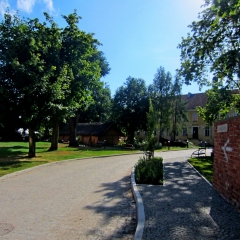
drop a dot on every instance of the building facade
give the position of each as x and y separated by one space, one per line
193 127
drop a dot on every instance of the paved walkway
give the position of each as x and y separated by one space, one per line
186 207
69 200
91 199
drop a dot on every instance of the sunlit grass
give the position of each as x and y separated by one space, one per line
13 155
204 165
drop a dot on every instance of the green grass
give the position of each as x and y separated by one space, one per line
204 165
13 155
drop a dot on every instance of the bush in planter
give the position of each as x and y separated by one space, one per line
149 171
158 145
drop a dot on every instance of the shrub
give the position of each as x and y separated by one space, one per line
158 145
149 171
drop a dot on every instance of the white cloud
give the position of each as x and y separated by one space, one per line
49 4
25 5
3 6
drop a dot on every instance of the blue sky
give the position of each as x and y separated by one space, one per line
137 36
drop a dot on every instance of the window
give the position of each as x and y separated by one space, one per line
195 117
207 131
184 133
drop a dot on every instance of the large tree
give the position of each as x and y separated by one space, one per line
130 104
213 45
212 49
25 75
80 51
47 73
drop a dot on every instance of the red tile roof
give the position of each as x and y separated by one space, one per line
194 100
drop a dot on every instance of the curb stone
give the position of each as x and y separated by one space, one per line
140 208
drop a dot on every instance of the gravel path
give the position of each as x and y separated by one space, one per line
186 207
81 199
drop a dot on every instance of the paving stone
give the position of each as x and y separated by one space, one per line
186 207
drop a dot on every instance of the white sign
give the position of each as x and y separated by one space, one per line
222 128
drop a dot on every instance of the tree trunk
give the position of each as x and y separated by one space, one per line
32 144
131 136
73 121
55 136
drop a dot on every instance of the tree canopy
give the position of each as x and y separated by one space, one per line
213 45
46 72
166 97
130 104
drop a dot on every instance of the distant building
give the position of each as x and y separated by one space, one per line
94 133
194 128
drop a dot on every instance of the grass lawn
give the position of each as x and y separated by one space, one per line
13 155
204 165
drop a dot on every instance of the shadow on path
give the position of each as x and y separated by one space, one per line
117 209
187 207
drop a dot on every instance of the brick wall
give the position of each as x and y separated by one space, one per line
226 177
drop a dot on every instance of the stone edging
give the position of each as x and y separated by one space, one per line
140 208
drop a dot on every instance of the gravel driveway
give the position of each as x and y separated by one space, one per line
80 199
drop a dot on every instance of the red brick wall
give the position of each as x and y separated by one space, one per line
226 177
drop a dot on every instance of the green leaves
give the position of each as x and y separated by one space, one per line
219 102
47 72
130 105
213 45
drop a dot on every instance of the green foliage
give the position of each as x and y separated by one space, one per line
46 73
160 93
178 108
213 45
100 108
158 145
167 102
130 104
219 102
151 126
149 171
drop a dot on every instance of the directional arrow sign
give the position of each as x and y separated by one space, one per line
226 149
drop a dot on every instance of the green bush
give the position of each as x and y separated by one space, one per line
158 145
149 171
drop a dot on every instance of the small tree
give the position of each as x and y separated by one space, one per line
151 125
160 92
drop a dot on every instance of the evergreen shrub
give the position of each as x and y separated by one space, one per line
149 171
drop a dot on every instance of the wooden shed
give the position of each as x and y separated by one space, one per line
94 133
